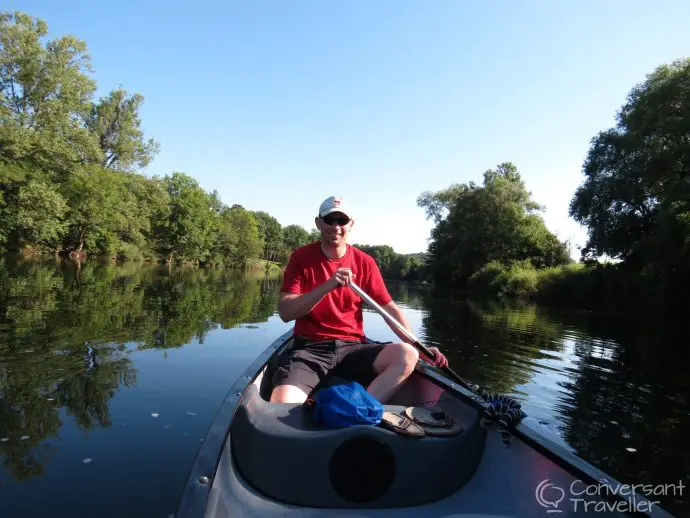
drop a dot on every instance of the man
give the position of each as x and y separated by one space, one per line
328 316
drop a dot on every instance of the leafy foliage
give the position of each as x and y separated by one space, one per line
189 230
40 214
44 97
69 179
295 236
496 221
101 210
404 267
635 200
115 123
239 238
271 234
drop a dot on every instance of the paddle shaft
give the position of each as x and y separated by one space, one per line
366 298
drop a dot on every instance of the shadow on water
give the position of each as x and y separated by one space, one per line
68 332
613 390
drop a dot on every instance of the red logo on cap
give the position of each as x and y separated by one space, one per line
336 203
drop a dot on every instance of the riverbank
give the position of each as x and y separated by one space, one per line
600 286
41 255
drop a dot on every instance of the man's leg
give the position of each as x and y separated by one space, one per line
393 366
288 394
300 371
381 367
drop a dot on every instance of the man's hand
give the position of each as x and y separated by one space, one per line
341 277
439 360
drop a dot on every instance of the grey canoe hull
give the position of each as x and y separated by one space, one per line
263 459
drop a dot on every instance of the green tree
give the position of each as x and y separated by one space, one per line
115 122
496 221
152 203
400 266
417 269
294 236
314 235
44 98
635 200
40 214
101 211
190 230
10 177
271 234
384 255
238 237
44 101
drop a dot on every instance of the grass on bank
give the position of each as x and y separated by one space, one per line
521 279
577 284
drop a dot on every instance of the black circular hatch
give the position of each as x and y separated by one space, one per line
362 469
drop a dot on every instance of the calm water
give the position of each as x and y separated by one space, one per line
110 376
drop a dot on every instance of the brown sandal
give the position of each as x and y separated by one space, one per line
401 424
433 420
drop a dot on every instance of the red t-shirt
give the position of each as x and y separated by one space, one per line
339 314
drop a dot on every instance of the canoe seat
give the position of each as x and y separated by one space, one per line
283 454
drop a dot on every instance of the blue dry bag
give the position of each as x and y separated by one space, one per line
346 405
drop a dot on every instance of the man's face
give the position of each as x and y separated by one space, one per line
334 227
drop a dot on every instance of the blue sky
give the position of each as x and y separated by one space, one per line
278 104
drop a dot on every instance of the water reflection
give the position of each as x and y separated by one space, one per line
67 332
626 403
613 389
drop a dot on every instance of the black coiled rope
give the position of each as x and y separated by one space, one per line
500 408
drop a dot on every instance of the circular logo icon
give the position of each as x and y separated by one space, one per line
549 495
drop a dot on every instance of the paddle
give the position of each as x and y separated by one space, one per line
422 348
498 408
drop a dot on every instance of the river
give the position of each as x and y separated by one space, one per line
111 374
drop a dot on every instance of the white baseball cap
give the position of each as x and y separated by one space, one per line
334 204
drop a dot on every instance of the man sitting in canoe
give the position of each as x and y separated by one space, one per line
328 317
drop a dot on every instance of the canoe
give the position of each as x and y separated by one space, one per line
265 459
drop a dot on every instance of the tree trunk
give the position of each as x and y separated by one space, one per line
79 252
81 241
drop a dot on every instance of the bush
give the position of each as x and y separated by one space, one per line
521 279
518 279
595 286
485 279
129 252
559 281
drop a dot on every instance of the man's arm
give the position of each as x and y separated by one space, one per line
292 305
